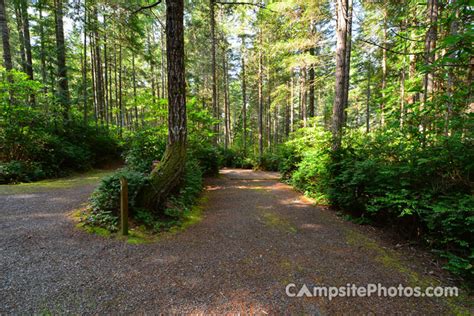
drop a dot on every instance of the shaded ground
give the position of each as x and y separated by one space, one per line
257 236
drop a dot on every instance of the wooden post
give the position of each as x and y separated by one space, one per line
124 206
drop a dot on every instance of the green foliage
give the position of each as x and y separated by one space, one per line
388 178
35 144
106 197
207 157
145 146
16 171
269 161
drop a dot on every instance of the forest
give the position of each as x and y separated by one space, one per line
363 106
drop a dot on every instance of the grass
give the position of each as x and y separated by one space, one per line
391 259
272 219
139 234
87 178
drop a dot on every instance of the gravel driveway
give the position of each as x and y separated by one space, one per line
257 236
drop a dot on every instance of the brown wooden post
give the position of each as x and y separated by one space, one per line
124 206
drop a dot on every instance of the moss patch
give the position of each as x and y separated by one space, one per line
90 177
139 234
272 219
191 217
391 259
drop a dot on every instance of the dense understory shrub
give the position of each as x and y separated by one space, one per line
424 190
207 157
37 142
41 150
106 198
144 147
142 151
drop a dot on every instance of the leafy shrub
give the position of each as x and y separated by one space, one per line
106 197
207 157
19 171
145 146
423 191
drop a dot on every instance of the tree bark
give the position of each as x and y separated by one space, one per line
63 83
292 99
42 40
244 102
260 99
430 46
135 105
367 112
384 70
348 57
27 40
311 87
213 62
226 100
84 66
167 175
7 57
341 47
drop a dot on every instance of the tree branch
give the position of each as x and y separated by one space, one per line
262 6
147 7
388 49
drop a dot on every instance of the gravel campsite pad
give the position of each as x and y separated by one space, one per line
256 236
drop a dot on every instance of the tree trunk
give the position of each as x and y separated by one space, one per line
244 102
213 62
106 75
303 95
292 99
311 87
430 46
287 111
135 105
341 47
26 38
63 84
122 119
453 30
260 99
19 28
167 175
348 58
367 112
7 57
84 65
98 68
42 40
384 70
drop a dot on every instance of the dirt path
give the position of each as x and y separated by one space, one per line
257 236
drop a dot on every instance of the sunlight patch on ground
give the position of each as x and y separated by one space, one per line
88 178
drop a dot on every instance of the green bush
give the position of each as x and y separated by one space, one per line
33 140
19 171
208 158
423 191
106 197
145 146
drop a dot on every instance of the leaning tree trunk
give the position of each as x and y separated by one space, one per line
167 175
